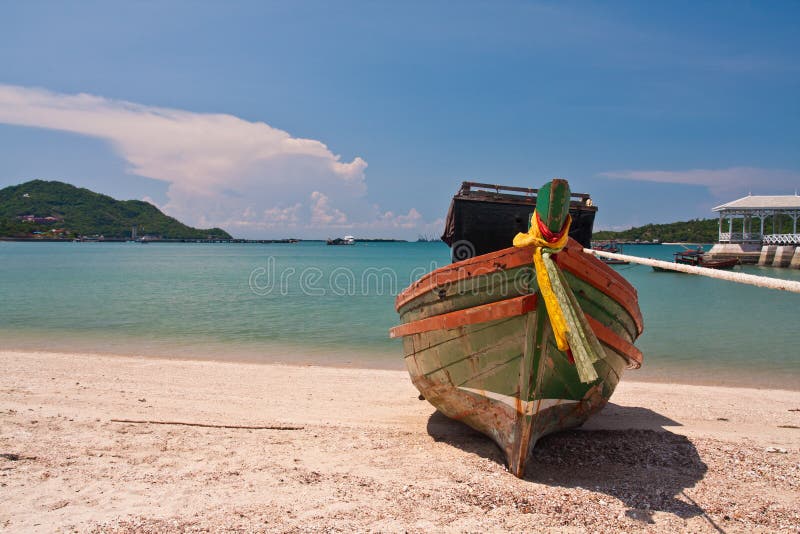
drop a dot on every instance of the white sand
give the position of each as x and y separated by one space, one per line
370 455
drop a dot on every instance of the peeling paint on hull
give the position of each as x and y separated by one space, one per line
486 357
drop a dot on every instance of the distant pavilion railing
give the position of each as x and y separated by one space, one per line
767 239
746 216
781 239
740 237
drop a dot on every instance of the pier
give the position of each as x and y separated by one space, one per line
768 235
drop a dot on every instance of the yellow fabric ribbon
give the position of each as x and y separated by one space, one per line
570 328
534 238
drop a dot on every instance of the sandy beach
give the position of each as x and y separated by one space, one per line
355 450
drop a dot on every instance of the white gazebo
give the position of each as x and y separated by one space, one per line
759 207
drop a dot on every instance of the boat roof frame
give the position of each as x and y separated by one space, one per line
469 189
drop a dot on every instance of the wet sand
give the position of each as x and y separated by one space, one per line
354 449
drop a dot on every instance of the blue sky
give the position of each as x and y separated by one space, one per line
316 119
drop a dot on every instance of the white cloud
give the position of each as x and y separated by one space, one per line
412 219
221 170
721 182
283 216
323 214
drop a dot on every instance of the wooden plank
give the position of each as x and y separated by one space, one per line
571 259
438 350
471 292
511 308
602 307
603 278
478 314
617 343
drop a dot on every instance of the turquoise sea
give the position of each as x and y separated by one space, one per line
312 303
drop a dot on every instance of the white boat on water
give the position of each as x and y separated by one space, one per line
346 240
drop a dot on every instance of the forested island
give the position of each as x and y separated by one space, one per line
693 231
42 209
56 210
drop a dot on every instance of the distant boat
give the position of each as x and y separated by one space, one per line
478 337
613 247
696 257
346 240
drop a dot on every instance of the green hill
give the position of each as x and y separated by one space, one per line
78 211
694 231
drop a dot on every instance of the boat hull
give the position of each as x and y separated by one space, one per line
719 264
478 345
699 262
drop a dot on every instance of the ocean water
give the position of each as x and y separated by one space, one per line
312 303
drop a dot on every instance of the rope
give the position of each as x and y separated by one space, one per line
571 332
740 278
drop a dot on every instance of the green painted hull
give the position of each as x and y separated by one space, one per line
505 377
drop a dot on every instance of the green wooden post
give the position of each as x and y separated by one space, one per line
552 203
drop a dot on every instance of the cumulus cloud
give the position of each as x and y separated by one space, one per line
412 219
282 216
721 182
323 214
221 170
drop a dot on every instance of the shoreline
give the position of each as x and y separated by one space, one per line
666 374
354 449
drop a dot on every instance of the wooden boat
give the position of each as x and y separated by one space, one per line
609 261
696 257
485 217
480 346
611 247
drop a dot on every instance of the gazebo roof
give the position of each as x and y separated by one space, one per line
762 202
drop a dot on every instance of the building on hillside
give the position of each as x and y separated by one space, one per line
38 220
